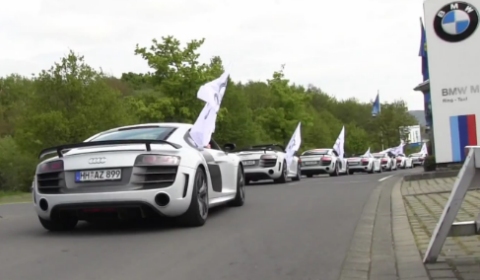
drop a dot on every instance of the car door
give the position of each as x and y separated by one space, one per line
292 171
221 167
338 160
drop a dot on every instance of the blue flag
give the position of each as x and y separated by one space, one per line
376 106
423 53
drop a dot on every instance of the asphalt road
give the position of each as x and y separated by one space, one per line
299 230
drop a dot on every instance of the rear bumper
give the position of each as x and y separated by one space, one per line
317 169
179 193
360 168
262 173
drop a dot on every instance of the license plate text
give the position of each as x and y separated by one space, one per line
98 175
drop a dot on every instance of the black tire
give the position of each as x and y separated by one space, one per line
371 171
309 175
59 225
299 174
335 172
350 172
283 177
240 196
194 217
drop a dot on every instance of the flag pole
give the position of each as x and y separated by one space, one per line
381 132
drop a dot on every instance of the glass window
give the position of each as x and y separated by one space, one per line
137 133
316 153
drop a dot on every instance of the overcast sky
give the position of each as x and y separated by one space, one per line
348 48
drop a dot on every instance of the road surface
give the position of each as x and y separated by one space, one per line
299 230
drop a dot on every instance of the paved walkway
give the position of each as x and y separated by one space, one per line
424 202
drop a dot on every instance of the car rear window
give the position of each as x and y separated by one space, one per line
149 133
316 153
378 155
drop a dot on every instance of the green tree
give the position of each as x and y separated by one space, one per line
72 101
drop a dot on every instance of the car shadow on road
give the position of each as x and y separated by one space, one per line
144 226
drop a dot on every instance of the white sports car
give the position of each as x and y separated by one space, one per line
364 163
267 162
135 171
388 163
403 161
417 159
323 161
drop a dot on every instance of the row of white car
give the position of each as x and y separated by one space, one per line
267 162
155 169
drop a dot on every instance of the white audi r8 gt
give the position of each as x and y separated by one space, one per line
417 159
403 161
267 162
144 170
388 163
364 163
322 161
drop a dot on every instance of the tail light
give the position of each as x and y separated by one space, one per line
399 159
384 160
365 160
326 158
299 160
268 157
51 166
152 160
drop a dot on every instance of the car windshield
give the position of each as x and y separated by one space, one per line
416 155
265 147
316 153
378 155
137 133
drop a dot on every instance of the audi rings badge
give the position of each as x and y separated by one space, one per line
97 160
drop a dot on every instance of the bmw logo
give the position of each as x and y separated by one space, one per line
456 22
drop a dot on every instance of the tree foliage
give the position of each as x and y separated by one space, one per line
71 101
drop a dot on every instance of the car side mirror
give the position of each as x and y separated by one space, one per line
229 147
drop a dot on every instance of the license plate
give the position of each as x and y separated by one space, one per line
249 162
310 162
98 175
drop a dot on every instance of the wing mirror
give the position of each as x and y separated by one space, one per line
229 147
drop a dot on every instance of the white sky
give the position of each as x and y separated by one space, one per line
347 48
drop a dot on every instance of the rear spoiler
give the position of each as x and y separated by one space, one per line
59 149
256 149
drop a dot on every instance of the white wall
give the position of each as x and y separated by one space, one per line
454 78
414 135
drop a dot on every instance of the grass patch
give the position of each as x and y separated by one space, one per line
13 197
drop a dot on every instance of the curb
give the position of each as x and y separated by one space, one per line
409 260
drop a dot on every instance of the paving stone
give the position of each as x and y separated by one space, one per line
424 202
442 273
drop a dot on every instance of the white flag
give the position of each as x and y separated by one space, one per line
367 153
339 144
386 151
293 145
212 93
424 149
399 149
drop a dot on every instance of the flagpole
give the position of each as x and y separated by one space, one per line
381 132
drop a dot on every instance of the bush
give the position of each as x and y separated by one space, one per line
16 168
430 164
